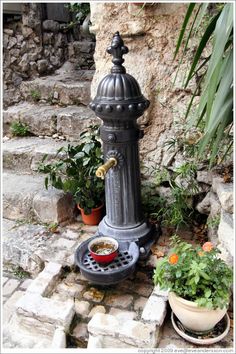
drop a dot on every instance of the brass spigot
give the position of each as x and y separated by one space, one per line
102 170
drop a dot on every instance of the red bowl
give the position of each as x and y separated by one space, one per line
102 243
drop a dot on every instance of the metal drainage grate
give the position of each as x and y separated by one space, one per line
119 269
123 259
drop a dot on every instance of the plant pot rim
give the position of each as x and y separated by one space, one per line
182 299
93 209
189 302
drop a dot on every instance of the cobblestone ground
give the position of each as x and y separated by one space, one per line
125 301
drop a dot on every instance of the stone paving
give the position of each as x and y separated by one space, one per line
68 311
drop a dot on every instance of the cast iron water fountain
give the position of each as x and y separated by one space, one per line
119 102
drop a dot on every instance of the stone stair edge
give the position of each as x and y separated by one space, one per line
23 155
25 198
47 120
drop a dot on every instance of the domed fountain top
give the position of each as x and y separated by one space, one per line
118 92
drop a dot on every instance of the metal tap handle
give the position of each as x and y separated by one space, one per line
102 170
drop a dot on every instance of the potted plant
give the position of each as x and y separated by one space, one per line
199 284
74 172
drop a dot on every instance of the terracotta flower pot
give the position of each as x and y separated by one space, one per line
91 219
193 317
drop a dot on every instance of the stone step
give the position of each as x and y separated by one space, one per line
32 245
65 88
25 198
18 194
47 119
24 154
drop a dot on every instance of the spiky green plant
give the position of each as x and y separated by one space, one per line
215 107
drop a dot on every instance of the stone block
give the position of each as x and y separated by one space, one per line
71 123
155 310
94 294
71 235
140 303
95 342
26 283
82 308
19 245
204 207
35 308
51 26
71 290
139 334
39 118
226 196
59 338
204 177
97 309
46 281
4 280
10 286
162 293
42 65
18 194
63 244
9 307
84 47
80 332
103 324
225 255
122 315
133 333
226 232
118 300
53 205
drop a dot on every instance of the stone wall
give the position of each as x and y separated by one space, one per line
218 204
33 47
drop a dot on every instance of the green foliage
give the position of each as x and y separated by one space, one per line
216 101
18 128
198 275
74 171
176 209
36 95
20 273
79 12
213 222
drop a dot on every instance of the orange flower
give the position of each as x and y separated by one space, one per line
200 253
207 247
173 259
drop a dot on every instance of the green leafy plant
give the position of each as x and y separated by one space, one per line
216 76
53 227
79 13
213 222
36 95
20 273
18 128
74 170
175 210
195 274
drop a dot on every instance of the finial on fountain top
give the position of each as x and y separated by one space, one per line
117 50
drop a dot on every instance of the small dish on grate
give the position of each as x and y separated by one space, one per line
103 249
107 274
